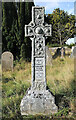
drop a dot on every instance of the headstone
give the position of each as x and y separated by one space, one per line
67 51
38 100
73 54
57 53
62 52
72 48
48 57
54 51
7 61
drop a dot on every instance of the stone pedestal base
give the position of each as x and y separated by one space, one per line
38 102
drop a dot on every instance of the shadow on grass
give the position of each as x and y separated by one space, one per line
6 80
63 99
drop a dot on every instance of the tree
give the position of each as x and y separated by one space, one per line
15 16
14 44
9 15
28 18
24 17
62 25
21 20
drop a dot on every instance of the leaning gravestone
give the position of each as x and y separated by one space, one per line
48 57
38 100
7 61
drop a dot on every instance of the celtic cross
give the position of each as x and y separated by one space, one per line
37 30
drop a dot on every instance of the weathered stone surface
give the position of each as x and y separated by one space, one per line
48 56
7 61
62 52
38 100
54 50
37 30
73 54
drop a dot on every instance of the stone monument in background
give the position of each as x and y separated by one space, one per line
38 100
48 57
7 61
73 54
62 52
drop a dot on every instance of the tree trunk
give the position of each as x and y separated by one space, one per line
60 39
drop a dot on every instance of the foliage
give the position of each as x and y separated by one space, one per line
70 46
9 15
14 17
62 26
53 45
63 112
58 45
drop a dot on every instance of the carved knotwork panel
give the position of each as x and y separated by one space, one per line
47 30
39 46
38 15
31 30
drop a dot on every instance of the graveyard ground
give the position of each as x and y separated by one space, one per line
60 81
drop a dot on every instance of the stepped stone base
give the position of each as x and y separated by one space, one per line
38 102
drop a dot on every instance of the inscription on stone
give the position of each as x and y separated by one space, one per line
39 70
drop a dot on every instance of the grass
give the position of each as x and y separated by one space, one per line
60 80
60 75
0 92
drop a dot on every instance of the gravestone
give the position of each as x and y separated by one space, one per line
38 100
7 61
73 54
48 57
57 53
62 52
72 48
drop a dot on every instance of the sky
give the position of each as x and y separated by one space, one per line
50 5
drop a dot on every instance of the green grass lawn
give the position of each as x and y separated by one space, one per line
60 81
